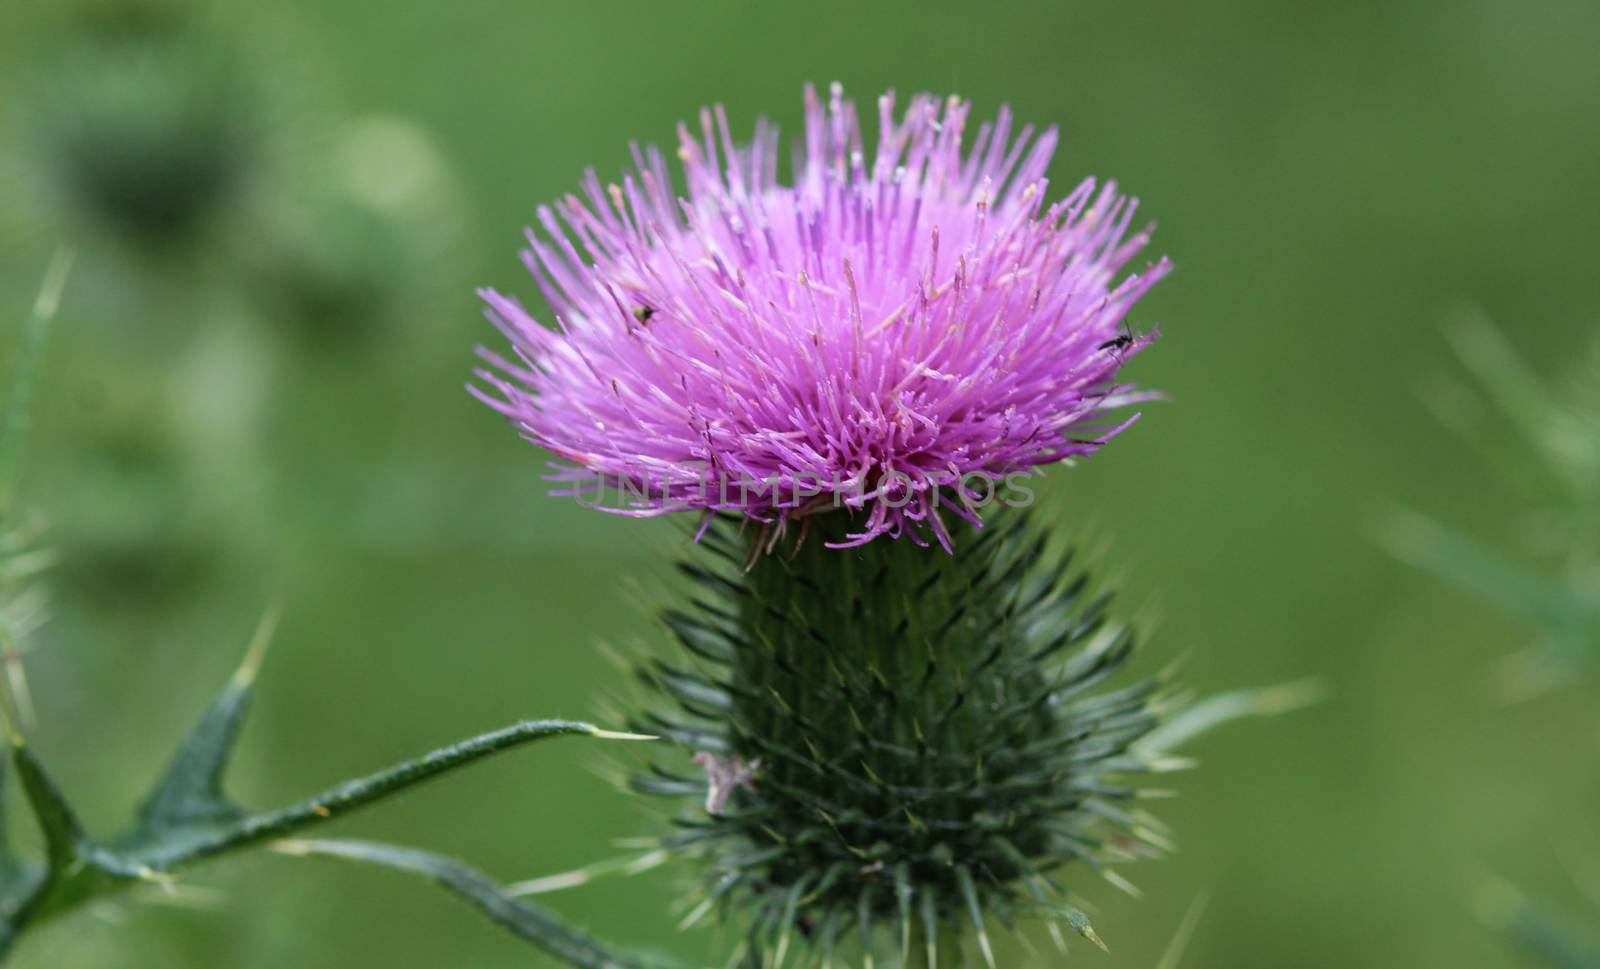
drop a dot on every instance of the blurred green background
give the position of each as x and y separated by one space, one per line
254 394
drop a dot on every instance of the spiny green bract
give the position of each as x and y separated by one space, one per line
906 742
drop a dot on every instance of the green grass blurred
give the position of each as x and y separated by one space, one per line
1332 182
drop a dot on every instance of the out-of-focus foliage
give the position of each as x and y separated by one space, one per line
1546 938
1544 441
142 122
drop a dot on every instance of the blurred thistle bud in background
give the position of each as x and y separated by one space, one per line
211 140
352 246
143 120
237 222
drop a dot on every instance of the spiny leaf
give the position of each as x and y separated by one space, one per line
829 939
65 842
12 870
864 922
526 921
969 893
786 921
191 790
930 927
626 866
75 868
1217 710
1077 921
903 893
352 795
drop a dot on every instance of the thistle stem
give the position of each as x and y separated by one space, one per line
196 824
350 796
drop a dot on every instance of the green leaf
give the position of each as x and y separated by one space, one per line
1076 920
350 796
969 894
1214 711
928 911
188 818
903 895
191 792
174 835
1521 593
10 864
526 921
76 869
65 842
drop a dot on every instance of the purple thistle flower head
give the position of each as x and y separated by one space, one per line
894 334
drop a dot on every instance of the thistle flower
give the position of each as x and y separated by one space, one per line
893 335
880 750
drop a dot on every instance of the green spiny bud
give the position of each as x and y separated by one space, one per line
898 744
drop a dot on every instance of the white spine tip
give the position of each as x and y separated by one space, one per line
1094 937
55 280
256 653
619 735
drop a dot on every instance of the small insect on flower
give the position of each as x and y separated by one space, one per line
723 777
1120 342
888 324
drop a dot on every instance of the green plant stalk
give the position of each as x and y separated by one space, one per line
187 819
349 796
488 897
76 866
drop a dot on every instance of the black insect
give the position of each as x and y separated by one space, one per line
643 313
1120 342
